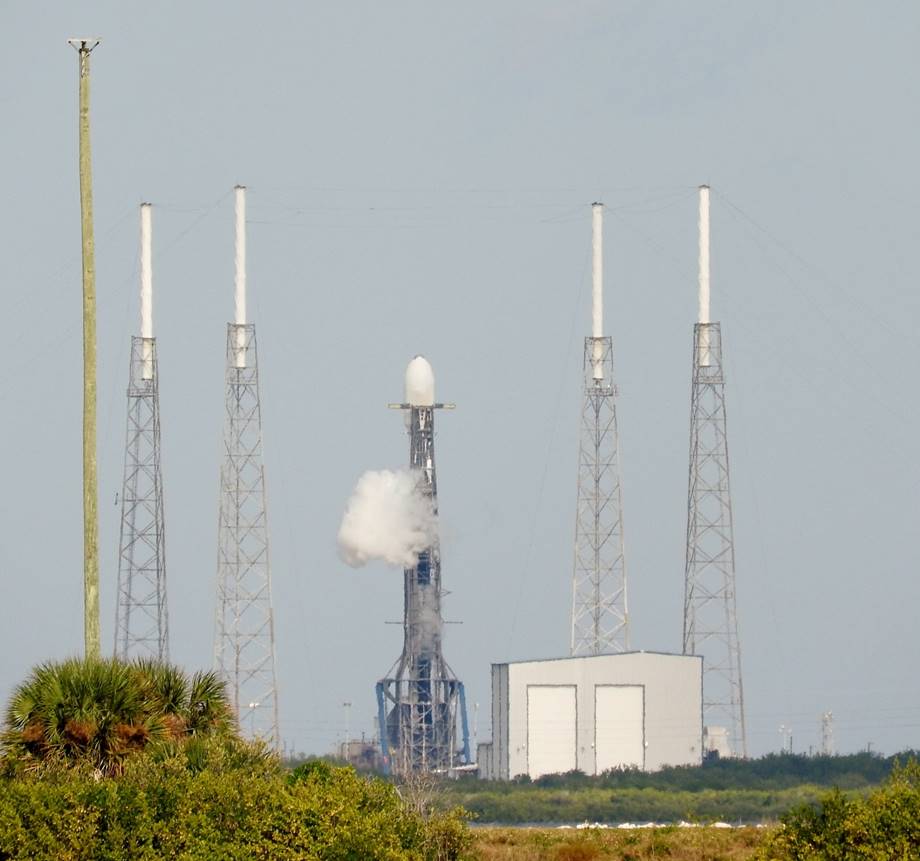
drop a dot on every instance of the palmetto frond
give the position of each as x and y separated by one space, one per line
101 711
208 707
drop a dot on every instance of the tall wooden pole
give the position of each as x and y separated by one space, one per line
90 490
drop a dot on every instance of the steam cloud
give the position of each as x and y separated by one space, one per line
387 518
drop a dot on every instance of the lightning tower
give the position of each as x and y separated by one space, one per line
244 642
600 620
710 615
141 618
421 699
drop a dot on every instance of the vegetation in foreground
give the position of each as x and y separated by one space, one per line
97 714
885 824
217 810
107 761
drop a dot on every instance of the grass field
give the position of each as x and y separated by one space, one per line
677 844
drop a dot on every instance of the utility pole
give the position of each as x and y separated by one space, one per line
84 48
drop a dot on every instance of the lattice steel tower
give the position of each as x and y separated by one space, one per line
244 643
600 619
710 614
421 699
141 618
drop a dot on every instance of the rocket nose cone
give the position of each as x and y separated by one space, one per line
419 383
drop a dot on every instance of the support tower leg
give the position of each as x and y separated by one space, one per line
600 618
710 614
244 644
141 618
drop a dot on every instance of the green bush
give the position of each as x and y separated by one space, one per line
162 809
883 825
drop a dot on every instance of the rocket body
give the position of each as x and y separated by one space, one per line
422 621
419 702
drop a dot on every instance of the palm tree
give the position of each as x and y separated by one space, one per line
208 709
99 712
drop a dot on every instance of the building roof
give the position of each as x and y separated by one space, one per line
594 657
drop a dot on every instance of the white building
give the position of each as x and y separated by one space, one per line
639 709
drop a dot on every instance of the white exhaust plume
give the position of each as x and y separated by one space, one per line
387 519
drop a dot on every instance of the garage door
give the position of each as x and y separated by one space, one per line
619 726
551 727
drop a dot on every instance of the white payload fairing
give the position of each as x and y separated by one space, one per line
420 383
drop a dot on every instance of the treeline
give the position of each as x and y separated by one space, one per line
749 791
773 771
535 805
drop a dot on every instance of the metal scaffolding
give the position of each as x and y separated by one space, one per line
141 618
244 644
710 614
421 699
600 620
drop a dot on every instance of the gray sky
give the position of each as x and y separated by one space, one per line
419 180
